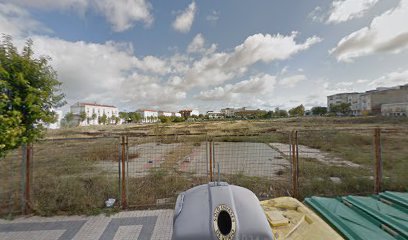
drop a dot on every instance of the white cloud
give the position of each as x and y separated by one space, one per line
259 85
17 22
153 64
345 10
108 73
216 68
111 73
291 81
386 33
266 48
213 16
146 90
184 21
317 14
390 79
197 45
344 84
121 14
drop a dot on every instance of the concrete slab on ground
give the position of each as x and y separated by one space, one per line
153 224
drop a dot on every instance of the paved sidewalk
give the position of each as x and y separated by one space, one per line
155 224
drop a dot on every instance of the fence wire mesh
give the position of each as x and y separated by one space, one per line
394 151
335 162
11 183
79 175
74 175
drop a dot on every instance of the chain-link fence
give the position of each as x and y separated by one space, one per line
335 162
394 152
79 175
11 183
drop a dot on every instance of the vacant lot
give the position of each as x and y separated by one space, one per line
76 175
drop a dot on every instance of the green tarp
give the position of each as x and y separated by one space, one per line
383 216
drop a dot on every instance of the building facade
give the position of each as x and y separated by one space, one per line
164 113
148 116
215 115
94 113
370 102
352 98
395 109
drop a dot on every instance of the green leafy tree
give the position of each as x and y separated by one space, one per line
341 108
165 119
116 119
178 119
297 111
103 119
319 111
135 117
82 116
29 90
124 116
69 117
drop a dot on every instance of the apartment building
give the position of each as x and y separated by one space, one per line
93 113
395 109
370 102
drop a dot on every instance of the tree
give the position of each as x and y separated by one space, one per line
282 113
69 117
135 117
164 119
297 111
82 116
319 111
29 90
341 108
116 119
103 119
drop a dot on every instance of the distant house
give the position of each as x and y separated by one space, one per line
175 114
215 115
148 116
186 113
166 114
93 113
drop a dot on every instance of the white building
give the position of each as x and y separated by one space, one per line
354 99
148 116
228 112
166 114
215 115
57 124
93 113
195 113
395 109
175 114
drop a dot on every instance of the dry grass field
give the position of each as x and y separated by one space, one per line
75 170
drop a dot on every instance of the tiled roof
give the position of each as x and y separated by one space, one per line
95 104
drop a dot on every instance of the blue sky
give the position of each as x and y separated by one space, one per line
208 55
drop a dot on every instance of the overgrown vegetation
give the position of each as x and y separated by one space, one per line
77 176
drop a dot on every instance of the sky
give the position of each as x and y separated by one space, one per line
208 55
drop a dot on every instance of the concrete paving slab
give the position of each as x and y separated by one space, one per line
156 224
